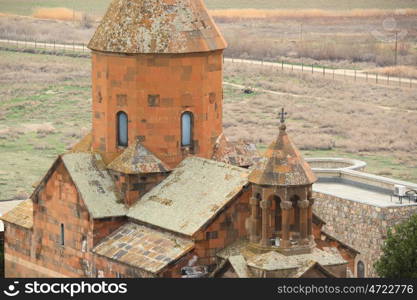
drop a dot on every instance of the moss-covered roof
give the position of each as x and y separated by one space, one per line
240 153
143 247
136 159
95 184
21 214
189 197
157 26
282 164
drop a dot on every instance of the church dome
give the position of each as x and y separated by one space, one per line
157 26
282 165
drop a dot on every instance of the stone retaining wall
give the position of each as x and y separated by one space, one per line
361 226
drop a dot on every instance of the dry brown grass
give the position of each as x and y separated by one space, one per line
397 71
57 13
325 114
228 15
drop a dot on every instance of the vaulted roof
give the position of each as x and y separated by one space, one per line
190 196
136 159
282 164
157 26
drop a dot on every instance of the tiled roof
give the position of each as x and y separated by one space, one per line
157 26
94 184
21 215
276 261
282 165
143 247
84 145
189 197
136 159
239 153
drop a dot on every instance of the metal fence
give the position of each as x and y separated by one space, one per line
323 71
332 73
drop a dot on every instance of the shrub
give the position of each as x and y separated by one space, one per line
399 259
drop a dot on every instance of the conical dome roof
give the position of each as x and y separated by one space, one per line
136 159
157 26
282 165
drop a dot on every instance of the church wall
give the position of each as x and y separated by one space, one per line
58 202
224 230
17 242
154 90
361 226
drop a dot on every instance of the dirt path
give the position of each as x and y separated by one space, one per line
328 73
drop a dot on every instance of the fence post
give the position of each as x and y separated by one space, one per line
388 79
324 71
73 46
400 81
410 83
302 67
54 45
35 44
376 77
355 74
312 69
282 65
292 67
366 76
333 73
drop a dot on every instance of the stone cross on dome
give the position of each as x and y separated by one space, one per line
282 115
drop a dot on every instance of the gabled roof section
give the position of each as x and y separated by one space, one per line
282 164
157 26
239 153
95 185
191 196
142 247
136 159
21 215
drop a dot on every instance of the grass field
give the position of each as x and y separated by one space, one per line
46 100
98 7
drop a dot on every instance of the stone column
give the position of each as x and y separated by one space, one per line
253 236
303 205
285 226
310 218
264 204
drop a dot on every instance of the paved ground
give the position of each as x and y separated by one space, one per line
357 193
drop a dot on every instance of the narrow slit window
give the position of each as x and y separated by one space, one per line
62 235
122 137
186 128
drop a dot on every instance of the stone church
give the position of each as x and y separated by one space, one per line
156 189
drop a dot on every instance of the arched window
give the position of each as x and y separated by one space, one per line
122 137
186 129
360 269
62 235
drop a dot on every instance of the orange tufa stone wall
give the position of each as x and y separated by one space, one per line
38 252
228 227
154 90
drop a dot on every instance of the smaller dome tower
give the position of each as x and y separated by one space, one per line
281 202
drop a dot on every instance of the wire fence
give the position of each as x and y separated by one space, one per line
315 70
